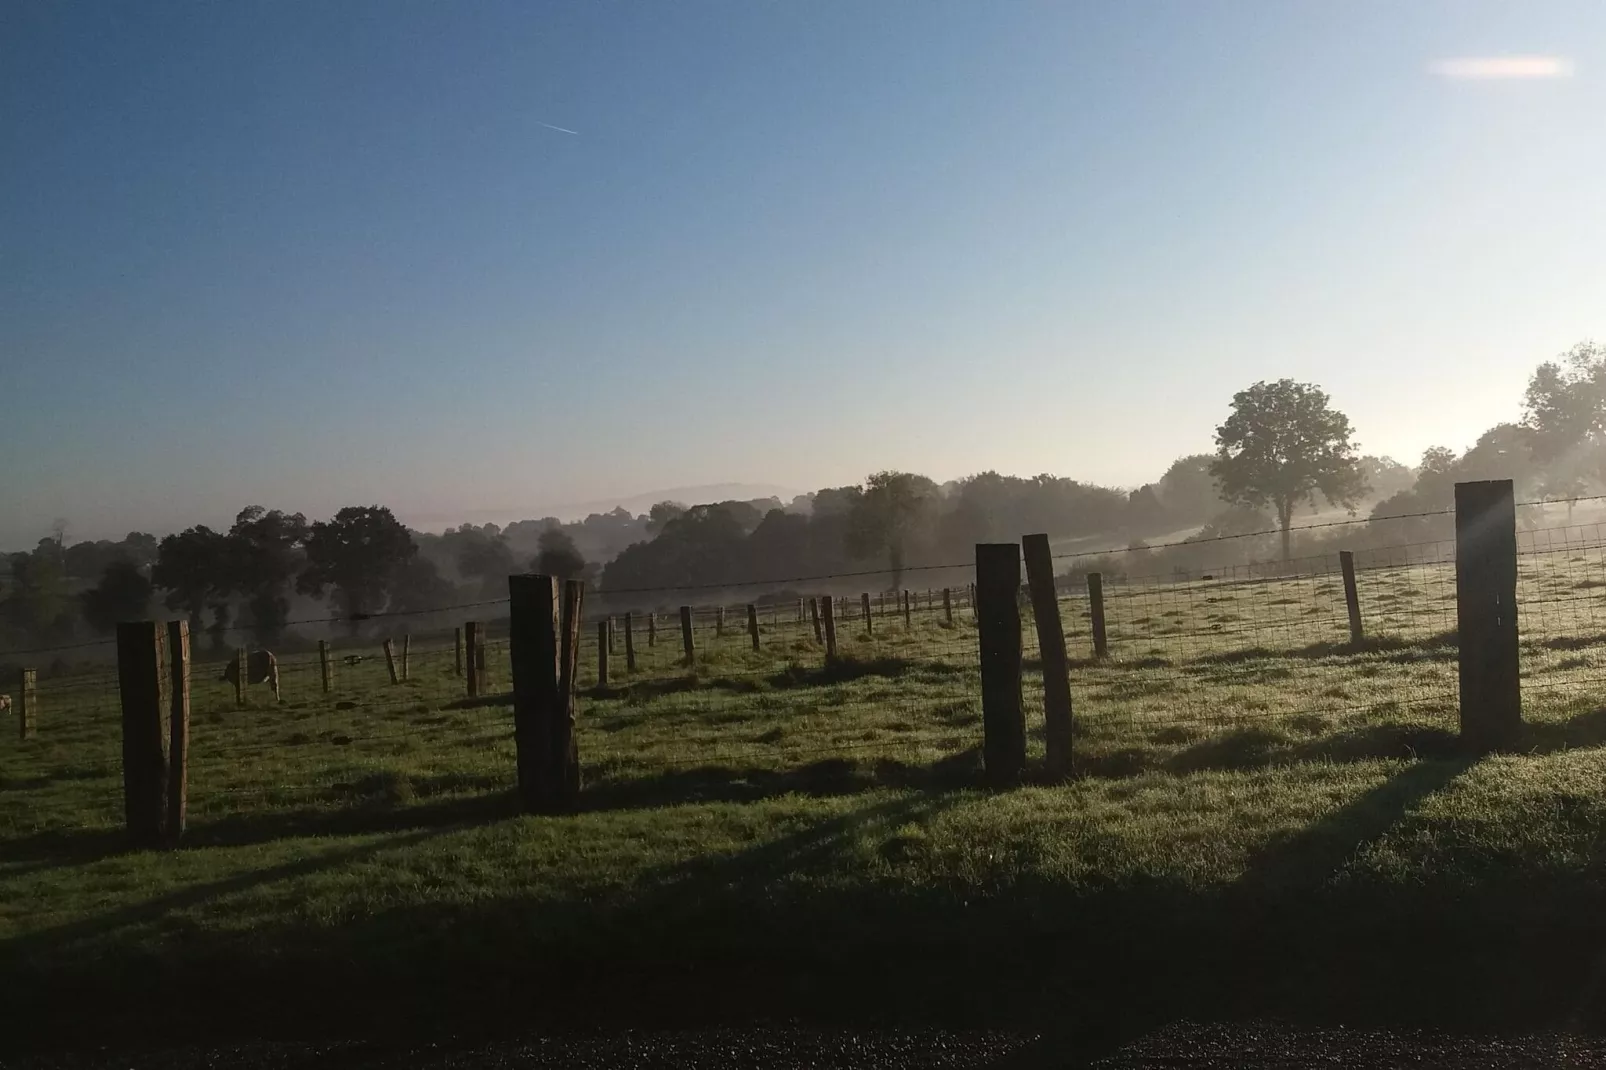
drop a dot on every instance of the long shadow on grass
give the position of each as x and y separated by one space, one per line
831 777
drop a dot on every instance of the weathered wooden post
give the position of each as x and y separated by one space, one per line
242 661
544 640
407 646
178 736
947 606
652 629
869 621
800 617
999 626
687 643
27 703
480 664
830 628
457 640
1352 597
1095 605
814 615
471 642
604 641
1486 614
613 628
390 660
1057 723
752 625
142 684
908 613
326 668
630 643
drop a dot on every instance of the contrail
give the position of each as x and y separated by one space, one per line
559 129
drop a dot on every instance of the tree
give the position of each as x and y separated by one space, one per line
193 567
1188 490
35 603
124 593
1386 476
885 517
360 553
487 558
419 587
1282 445
558 555
659 516
1565 405
265 552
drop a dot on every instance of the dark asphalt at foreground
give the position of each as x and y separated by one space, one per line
1249 1046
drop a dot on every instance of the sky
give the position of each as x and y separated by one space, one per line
469 257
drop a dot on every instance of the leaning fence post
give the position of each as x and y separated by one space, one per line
142 670
814 615
1057 724
947 606
326 671
687 643
1095 607
869 621
1352 597
27 702
999 626
752 625
1486 614
604 641
471 642
827 612
389 647
630 643
178 738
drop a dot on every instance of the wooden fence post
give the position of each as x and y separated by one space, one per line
1352 597
390 660
752 625
826 611
242 661
800 617
1057 724
1486 614
869 621
471 642
652 629
630 643
1095 605
544 643
407 645
142 684
604 641
326 670
719 622
480 665
687 643
947 606
27 703
178 737
613 628
999 624
908 614
458 640
814 615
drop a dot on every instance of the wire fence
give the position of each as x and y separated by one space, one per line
1231 665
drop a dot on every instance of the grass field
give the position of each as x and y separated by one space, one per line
766 832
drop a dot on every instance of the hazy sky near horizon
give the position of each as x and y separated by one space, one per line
495 255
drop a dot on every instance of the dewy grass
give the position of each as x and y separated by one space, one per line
764 810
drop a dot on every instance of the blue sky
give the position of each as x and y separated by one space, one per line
313 254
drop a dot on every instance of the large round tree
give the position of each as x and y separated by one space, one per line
1284 444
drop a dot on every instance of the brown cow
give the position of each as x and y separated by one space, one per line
261 667
5 702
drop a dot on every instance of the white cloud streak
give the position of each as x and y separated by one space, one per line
559 129
1503 67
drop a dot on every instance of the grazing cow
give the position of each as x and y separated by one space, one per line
354 659
261 667
5 702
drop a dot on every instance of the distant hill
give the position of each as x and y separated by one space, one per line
636 504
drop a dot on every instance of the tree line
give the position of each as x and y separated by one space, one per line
1283 448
